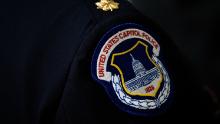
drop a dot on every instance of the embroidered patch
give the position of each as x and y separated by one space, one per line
127 64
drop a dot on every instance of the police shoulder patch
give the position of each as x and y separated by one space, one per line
127 64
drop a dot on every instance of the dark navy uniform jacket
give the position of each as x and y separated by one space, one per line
45 68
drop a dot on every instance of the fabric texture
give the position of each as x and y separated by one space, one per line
46 51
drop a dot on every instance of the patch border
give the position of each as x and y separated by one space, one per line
109 88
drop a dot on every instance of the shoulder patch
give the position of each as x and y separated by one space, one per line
127 64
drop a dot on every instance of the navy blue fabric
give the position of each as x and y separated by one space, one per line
38 44
45 57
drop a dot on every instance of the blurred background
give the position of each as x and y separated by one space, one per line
194 27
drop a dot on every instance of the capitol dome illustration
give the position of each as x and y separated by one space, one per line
142 76
138 67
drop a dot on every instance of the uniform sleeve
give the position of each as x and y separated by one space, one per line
68 62
126 69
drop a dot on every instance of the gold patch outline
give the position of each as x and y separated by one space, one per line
121 73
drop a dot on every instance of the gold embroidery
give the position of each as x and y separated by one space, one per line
107 5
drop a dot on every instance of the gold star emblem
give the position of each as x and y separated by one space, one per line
107 5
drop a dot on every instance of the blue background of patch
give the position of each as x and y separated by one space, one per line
125 61
108 86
